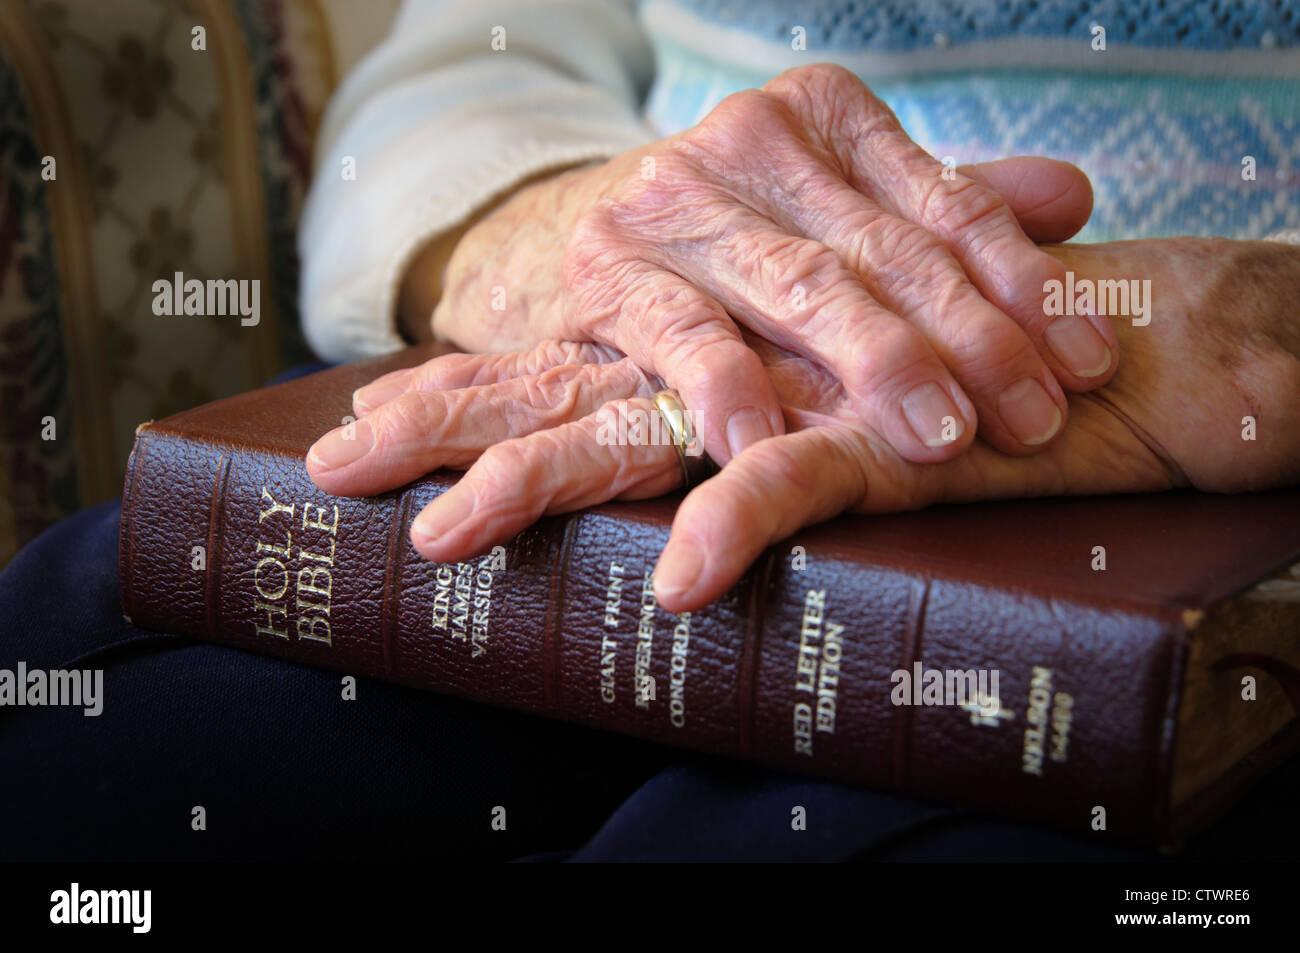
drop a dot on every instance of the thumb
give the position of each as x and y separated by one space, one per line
1051 199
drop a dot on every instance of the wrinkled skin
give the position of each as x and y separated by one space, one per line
1222 344
801 212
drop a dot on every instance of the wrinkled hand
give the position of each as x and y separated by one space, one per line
803 212
528 427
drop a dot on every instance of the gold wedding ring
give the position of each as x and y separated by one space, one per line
695 463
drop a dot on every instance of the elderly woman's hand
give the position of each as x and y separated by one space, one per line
1220 346
803 212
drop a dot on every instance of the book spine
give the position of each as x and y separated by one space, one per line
1032 707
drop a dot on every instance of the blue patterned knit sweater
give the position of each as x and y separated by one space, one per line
1186 117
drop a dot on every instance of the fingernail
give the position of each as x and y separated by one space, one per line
381 391
1078 345
677 572
442 516
342 446
932 415
1029 412
746 426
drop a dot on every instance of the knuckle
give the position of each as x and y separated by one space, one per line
671 310
725 502
992 354
432 374
571 352
706 360
781 469
858 458
882 481
816 81
843 110
411 414
820 272
501 468
736 114
543 357
887 239
592 379
890 357
494 368
954 206
553 353
726 142
899 255
849 229
797 262
555 391
803 279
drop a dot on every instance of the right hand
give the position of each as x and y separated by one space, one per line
806 213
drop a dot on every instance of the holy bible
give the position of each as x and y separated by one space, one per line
1118 667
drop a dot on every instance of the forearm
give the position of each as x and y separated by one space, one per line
1210 372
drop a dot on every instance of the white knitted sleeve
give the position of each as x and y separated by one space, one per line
434 121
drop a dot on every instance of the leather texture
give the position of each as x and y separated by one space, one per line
1003 587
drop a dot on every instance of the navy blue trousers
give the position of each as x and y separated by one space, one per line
285 768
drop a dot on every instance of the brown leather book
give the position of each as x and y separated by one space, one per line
975 654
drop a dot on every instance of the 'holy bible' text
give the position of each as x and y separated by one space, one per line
293 578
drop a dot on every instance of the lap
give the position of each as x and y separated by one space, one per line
284 767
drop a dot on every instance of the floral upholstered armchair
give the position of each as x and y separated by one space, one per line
138 139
